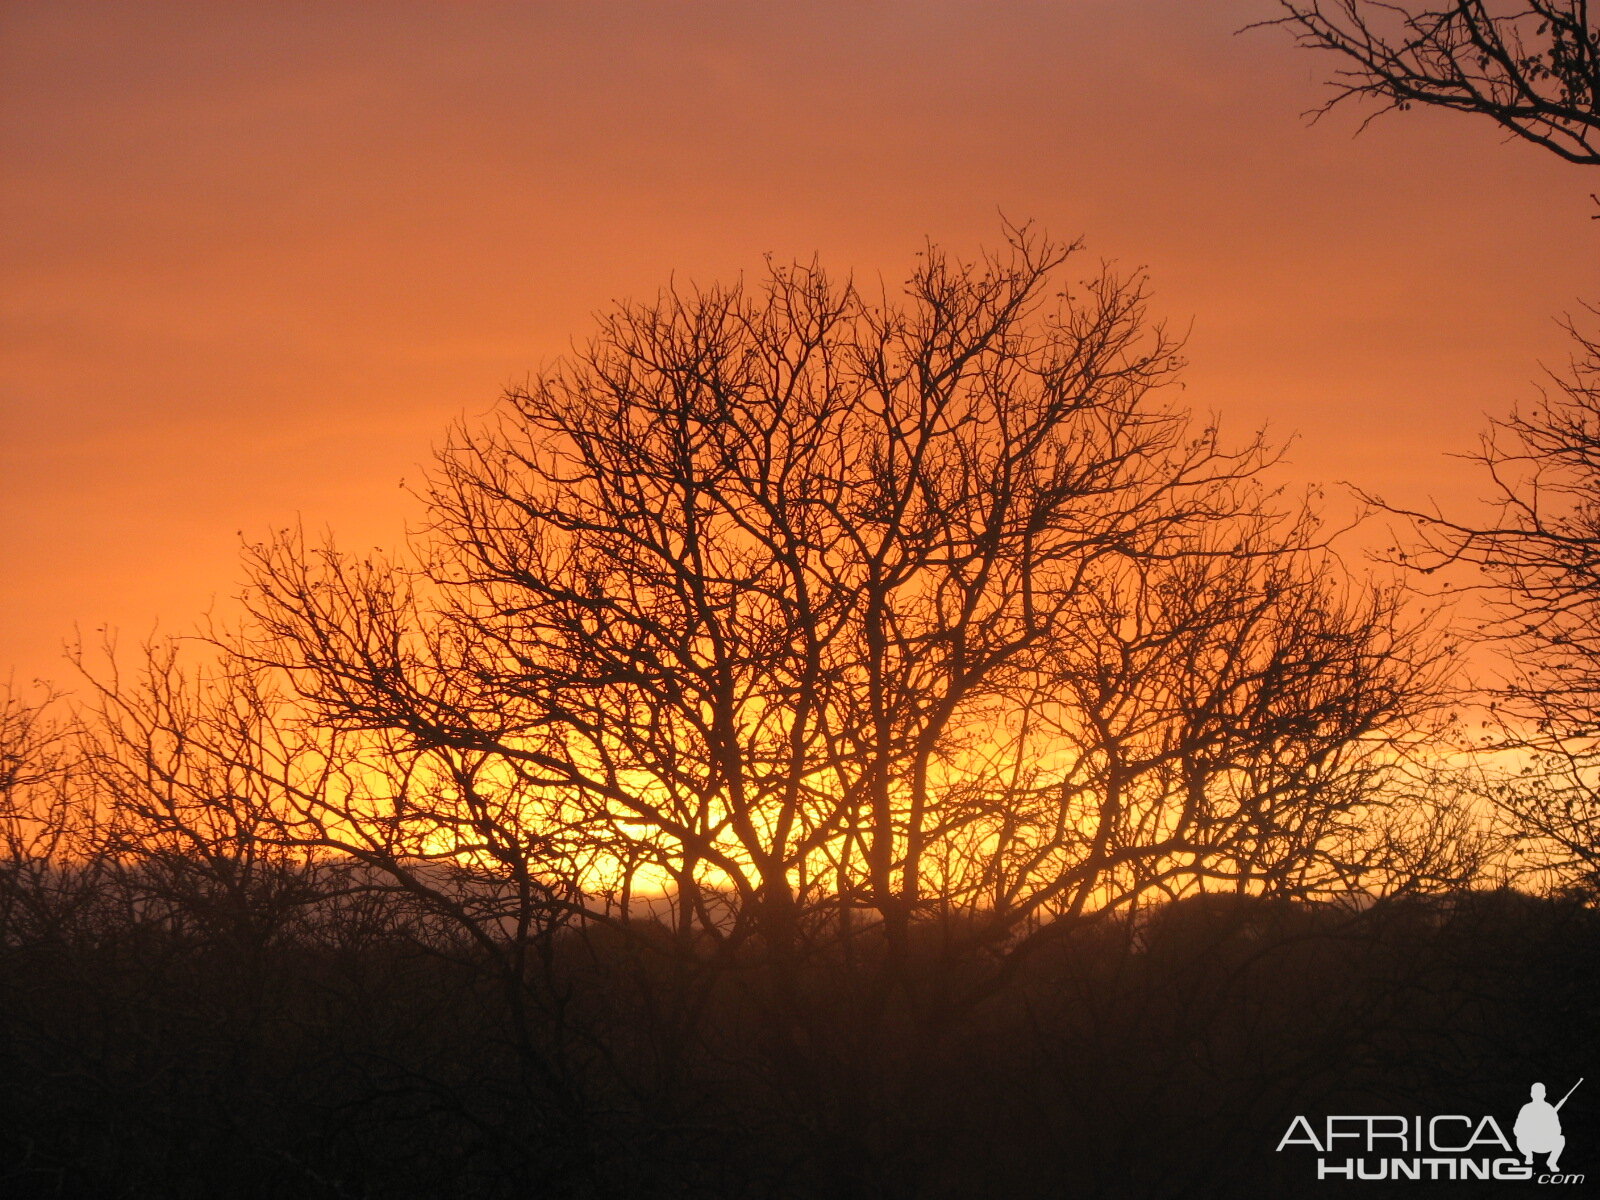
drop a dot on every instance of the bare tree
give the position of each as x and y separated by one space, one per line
1531 66
1540 561
47 879
183 765
787 613
230 821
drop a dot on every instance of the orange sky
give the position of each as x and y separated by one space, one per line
256 256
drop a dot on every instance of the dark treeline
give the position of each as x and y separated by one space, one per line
342 1047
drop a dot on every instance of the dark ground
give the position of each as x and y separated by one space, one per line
1164 1062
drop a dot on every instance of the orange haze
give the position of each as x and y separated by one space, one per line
256 256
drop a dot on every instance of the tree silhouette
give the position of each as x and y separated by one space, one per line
1540 556
46 881
798 617
1532 67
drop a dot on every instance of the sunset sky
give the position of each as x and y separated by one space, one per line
257 256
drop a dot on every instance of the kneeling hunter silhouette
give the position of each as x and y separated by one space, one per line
1538 1127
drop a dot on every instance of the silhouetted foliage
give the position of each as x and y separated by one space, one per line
1534 68
1541 556
1531 66
1162 1056
805 615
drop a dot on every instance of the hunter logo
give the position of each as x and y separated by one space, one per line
1538 1127
1448 1146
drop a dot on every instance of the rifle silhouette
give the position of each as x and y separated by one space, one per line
1570 1090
